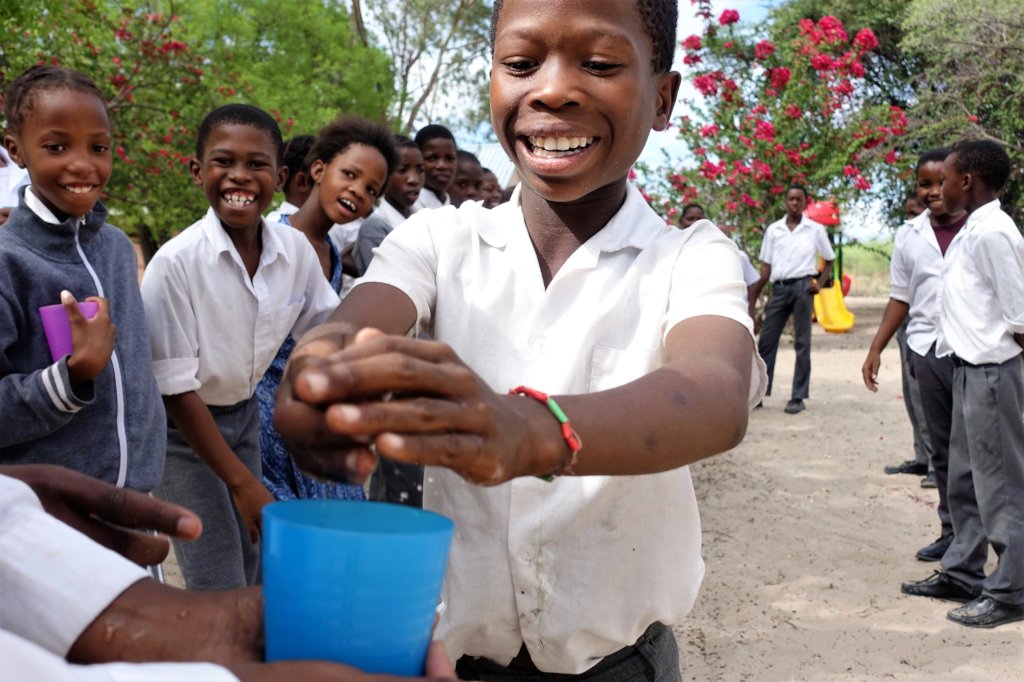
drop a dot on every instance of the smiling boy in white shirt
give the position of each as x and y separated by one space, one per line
220 299
982 325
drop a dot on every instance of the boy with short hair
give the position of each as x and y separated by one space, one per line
440 159
298 184
982 325
584 573
789 258
220 298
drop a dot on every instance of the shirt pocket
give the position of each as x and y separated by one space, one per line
613 367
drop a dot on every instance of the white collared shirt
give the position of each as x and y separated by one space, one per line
213 330
54 582
915 275
286 208
576 568
982 301
428 199
12 178
794 253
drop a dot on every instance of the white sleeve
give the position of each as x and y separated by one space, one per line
320 299
823 245
173 330
708 280
408 261
767 246
900 268
750 275
23 661
1000 259
54 581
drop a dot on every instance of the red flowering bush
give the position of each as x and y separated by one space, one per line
769 113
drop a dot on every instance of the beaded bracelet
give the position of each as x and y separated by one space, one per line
572 439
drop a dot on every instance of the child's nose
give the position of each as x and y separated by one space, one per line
555 85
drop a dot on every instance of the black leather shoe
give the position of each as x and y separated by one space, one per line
938 586
794 406
907 467
934 551
929 481
986 612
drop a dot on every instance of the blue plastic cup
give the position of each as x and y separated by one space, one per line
352 582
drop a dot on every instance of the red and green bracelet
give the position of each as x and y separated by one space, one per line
572 439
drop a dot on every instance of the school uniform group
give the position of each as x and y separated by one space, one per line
171 386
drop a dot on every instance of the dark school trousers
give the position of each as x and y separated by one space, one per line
986 478
653 658
934 378
223 557
790 297
912 400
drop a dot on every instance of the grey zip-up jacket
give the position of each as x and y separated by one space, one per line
113 427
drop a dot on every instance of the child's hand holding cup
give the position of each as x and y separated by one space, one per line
82 330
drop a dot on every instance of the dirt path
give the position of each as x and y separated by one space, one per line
806 541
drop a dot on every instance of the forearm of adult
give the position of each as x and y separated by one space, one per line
694 406
154 622
193 418
826 272
895 313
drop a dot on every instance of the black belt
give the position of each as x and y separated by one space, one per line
790 282
960 362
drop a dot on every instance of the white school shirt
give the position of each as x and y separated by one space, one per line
12 178
285 209
428 199
982 300
579 567
794 253
54 582
915 278
344 234
750 275
213 330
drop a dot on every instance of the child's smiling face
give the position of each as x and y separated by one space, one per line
66 145
407 179
929 187
574 95
468 180
238 173
350 184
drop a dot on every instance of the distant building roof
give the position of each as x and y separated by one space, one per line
492 156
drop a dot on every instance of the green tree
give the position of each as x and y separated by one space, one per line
972 86
304 62
439 53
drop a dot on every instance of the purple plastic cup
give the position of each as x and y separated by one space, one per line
57 327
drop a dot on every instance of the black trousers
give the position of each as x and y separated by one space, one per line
790 298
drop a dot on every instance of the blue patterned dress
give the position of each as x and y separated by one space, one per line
282 477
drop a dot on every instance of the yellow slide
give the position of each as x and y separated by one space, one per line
830 310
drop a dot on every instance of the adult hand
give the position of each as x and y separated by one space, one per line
250 497
440 413
93 339
437 668
814 287
869 370
119 519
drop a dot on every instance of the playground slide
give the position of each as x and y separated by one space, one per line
830 310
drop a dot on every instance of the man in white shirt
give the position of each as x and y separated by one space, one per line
789 253
982 325
64 596
919 258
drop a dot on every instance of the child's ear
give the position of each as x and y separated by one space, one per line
282 178
316 171
195 169
667 92
11 145
302 180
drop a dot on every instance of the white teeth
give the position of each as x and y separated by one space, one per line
347 204
559 144
239 199
78 189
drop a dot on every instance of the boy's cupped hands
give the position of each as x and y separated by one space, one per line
410 400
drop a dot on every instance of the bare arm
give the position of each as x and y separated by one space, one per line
895 312
819 284
758 286
193 419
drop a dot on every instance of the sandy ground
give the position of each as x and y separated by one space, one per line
806 541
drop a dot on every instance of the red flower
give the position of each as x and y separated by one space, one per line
709 130
729 84
851 170
806 26
857 69
731 206
793 111
972 118
765 131
123 155
764 49
691 43
729 45
779 76
865 39
729 16
843 87
749 200
862 183
891 157
833 29
821 62
691 59
706 84
759 109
